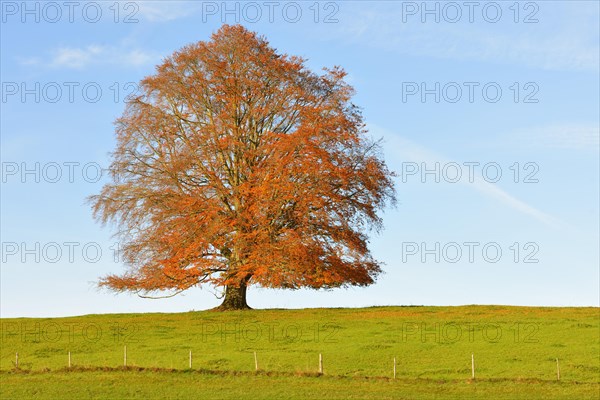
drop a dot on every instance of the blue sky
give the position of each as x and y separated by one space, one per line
501 99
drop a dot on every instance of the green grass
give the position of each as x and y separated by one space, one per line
515 351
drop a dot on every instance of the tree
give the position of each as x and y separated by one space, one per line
236 165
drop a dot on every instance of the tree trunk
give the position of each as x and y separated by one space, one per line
235 298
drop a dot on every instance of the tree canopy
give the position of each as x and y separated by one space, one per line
236 165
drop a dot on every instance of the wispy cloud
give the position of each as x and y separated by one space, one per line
573 136
75 57
28 60
562 40
408 150
81 57
165 11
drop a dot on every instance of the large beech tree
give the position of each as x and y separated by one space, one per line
236 165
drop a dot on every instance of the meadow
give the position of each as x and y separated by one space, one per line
514 349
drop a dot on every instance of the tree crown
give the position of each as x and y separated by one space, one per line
238 165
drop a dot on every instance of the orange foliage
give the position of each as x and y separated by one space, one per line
237 165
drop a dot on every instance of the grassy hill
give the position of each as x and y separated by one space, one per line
514 348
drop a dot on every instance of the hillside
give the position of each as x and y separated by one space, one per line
514 348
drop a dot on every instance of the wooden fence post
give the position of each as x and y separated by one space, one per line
320 363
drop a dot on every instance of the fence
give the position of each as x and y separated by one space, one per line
319 367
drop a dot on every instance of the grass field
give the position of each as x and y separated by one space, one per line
515 351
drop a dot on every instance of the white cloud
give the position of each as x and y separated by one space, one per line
75 57
564 39
138 57
81 57
561 136
28 60
165 11
411 151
